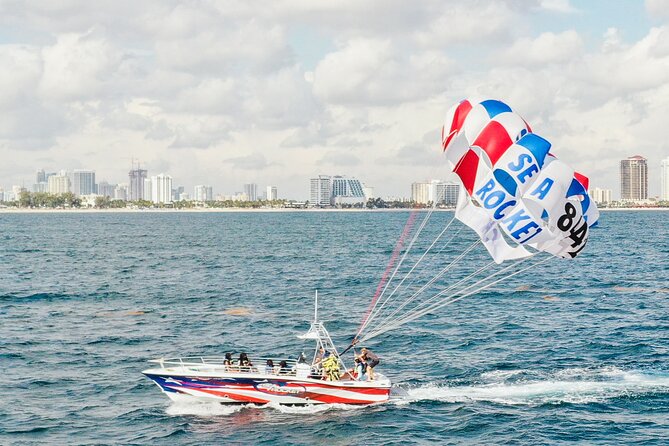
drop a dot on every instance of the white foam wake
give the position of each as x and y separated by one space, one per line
521 387
212 409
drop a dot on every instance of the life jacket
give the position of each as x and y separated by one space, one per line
331 367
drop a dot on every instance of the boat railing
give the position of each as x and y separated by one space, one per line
258 365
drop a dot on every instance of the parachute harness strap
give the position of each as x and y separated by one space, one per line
452 298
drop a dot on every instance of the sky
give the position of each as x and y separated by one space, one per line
276 92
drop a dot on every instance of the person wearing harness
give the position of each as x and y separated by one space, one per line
372 361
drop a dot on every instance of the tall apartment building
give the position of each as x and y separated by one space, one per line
601 196
105 189
321 191
251 191
634 178
136 179
121 192
161 188
664 179
59 184
271 193
40 184
435 191
203 193
83 182
176 193
147 193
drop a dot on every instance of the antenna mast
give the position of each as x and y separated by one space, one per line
316 308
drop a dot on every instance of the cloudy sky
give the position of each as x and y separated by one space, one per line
225 92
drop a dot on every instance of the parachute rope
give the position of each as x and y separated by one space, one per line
418 293
454 297
371 317
370 312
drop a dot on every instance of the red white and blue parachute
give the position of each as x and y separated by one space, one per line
516 194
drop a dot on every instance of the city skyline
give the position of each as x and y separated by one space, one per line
140 185
284 92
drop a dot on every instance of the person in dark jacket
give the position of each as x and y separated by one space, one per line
372 361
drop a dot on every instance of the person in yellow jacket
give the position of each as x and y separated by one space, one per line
331 368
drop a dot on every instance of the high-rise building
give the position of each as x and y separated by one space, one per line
420 192
147 193
346 190
271 193
83 182
105 189
634 178
203 193
251 191
435 191
161 188
600 196
42 186
176 193
136 179
59 184
321 191
121 192
664 179
40 176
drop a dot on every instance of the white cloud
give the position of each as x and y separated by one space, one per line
80 67
372 72
97 83
562 6
658 8
547 48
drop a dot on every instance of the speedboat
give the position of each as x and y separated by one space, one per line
295 382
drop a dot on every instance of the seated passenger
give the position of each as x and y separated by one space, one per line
227 362
269 367
244 362
283 368
360 369
331 368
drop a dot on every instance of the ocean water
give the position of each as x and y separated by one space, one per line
570 351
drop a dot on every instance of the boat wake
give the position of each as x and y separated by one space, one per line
203 409
509 387
521 387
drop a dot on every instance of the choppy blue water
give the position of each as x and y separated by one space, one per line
575 351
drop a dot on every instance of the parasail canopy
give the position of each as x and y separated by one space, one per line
516 195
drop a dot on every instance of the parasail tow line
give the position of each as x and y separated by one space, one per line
371 316
407 228
443 271
451 300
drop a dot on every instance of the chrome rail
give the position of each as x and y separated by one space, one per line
202 363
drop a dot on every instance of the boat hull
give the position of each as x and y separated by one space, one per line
265 389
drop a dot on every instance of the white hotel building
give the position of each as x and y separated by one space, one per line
161 188
664 179
435 190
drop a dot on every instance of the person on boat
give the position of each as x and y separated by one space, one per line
331 370
244 362
269 367
360 369
227 362
317 366
283 368
372 361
